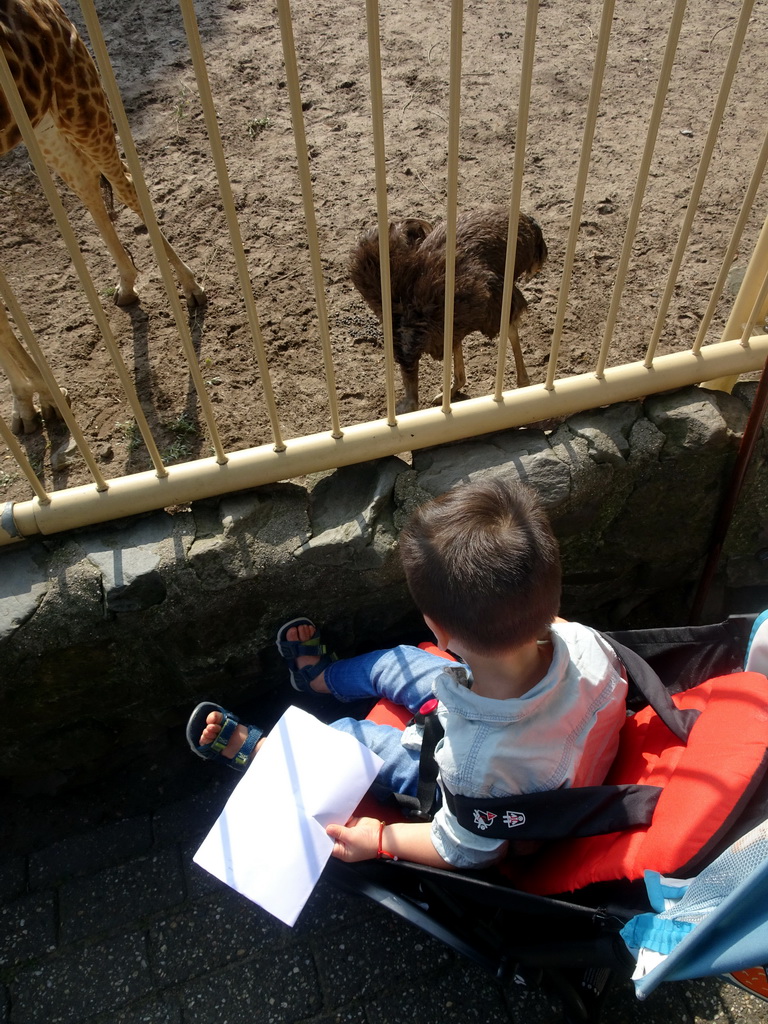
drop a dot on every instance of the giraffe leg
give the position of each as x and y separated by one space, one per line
81 167
25 380
83 178
126 193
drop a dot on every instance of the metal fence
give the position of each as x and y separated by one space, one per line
722 339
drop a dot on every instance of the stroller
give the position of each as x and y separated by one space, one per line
557 920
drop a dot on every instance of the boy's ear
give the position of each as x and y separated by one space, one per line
442 636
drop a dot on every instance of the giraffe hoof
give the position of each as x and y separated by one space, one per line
125 296
27 425
196 298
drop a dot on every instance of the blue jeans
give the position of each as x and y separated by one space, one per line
403 675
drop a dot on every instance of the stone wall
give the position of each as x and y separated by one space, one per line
109 635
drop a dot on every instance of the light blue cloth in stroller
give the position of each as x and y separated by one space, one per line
709 925
717 922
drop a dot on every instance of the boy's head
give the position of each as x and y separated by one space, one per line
482 562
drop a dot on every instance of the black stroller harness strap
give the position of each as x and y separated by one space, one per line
677 720
560 813
557 813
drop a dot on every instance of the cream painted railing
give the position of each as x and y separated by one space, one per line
743 346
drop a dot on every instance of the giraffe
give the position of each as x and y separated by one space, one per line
61 89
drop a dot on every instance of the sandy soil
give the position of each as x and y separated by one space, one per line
242 45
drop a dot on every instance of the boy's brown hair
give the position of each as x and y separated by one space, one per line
483 563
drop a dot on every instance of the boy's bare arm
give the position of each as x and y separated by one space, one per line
359 840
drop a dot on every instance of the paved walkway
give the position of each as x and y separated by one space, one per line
106 920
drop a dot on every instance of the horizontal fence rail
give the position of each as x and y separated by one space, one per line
728 339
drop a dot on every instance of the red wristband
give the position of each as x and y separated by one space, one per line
381 853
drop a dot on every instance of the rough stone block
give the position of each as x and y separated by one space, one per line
23 585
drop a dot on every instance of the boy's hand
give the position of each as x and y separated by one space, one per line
357 840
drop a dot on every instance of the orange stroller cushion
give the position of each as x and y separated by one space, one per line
704 784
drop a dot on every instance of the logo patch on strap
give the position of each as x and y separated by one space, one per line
513 818
483 819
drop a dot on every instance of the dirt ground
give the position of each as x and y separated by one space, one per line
245 65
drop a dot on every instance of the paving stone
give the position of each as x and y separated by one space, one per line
704 1001
529 1006
464 995
84 854
279 988
345 1015
151 1012
27 928
359 961
664 1005
200 883
120 896
739 1005
211 934
13 877
82 982
214 958
329 907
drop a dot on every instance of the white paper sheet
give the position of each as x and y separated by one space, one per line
269 843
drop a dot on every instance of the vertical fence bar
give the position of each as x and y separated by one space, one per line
746 305
305 177
31 364
23 463
701 174
132 158
19 113
601 55
524 102
454 125
642 177
755 313
730 254
44 368
382 213
230 212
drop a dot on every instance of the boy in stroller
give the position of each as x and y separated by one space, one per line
536 703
